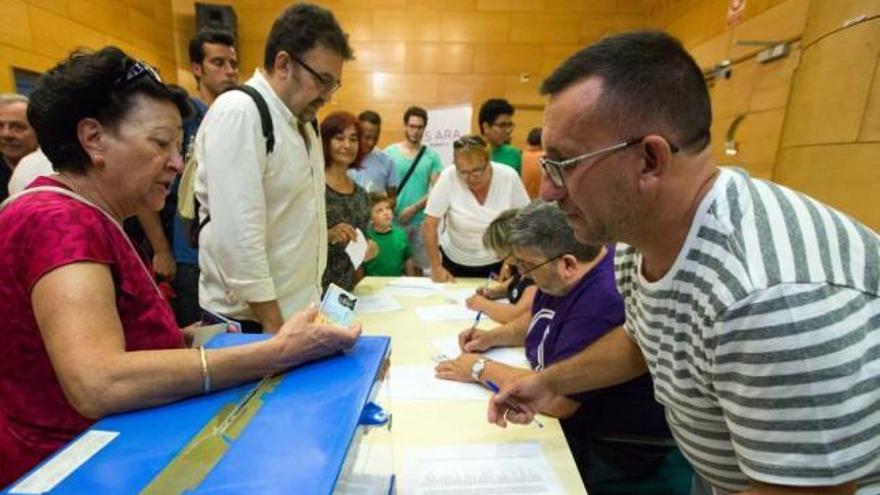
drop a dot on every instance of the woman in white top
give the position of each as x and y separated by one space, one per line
468 196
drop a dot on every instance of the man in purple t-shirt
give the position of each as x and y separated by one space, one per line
576 304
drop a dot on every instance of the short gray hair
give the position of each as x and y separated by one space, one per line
543 226
8 98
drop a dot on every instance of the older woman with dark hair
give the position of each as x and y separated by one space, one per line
468 196
348 205
86 331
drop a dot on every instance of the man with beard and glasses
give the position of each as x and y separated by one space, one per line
263 249
755 308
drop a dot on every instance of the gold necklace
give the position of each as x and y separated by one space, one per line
88 197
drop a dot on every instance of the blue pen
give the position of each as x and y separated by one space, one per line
512 404
480 313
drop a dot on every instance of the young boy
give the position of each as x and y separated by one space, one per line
395 252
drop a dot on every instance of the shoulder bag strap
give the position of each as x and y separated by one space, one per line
412 168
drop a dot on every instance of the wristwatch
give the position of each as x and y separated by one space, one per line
477 368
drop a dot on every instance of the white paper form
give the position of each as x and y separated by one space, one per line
514 356
446 312
519 468
377 303
420 287
457 296
419 383
357 249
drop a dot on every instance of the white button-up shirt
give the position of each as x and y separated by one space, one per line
267 237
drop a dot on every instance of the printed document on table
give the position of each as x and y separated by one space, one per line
377 303
419 383
467 469
445 312
448 348
357 249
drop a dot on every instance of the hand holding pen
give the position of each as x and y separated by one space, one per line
512 404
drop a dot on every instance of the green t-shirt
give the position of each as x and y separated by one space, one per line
508 155
394 250
417 185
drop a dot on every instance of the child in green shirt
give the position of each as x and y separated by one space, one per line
395 252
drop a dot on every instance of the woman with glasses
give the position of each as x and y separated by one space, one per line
348 206
576 304
467 197
86 331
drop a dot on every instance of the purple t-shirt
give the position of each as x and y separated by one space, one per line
563 326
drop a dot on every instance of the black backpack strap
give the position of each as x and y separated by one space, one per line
412 169
265 116
268 135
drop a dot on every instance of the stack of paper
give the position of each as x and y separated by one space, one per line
520 468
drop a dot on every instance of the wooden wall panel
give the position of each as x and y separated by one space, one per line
15 29
871 123
845 176
420 52
758 91
826 16
779 23
37 34
439 58
833 85
544 28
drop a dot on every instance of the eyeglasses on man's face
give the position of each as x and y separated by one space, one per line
326 81
504 126
525 267
556 168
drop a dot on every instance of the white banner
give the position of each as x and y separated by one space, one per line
445 125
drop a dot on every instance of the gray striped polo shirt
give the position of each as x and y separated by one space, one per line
764 338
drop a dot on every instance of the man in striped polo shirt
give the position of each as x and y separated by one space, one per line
755 308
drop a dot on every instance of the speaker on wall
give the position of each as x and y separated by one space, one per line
209 15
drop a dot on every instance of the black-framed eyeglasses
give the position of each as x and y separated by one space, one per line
134 72
330 85
469 141
523 273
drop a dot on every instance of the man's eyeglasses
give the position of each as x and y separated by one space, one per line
329 84
469 141
522 267
134 72
505 126
556 169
